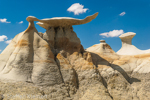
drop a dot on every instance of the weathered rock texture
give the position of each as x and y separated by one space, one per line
63 38
127 47
54 66
63 21
29 58
102 48
125 77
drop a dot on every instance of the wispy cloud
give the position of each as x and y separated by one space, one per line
114 33
0 50
3 37
20 22
77 9
122 14
8 41
4 20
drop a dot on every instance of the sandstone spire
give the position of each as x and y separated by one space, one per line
29 58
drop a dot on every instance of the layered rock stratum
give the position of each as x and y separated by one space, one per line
55 66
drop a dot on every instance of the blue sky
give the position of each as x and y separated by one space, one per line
115 17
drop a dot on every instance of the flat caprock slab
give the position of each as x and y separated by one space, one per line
128 34
62 21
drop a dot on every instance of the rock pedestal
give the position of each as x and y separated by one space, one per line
127 47
127 38
60 35
63 38
53 66
33 56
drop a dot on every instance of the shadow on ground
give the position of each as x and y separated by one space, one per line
97 60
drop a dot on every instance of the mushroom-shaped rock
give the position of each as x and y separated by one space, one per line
64 21
127 38
102 48
34 57
60 35
127 47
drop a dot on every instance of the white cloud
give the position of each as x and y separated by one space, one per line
20 22
8 41
3 37
4 20
77 9
0 50
114 33
122 14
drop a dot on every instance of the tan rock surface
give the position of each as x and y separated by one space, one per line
29 58
123 76
102 48
54 66
64 21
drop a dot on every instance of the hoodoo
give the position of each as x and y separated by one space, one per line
33 56
60 35
55 66
127 47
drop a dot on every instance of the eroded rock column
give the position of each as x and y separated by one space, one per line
127 47
63 38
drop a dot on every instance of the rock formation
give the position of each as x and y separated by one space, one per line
29 58
102 48
124 76
127 47
64 21
55 66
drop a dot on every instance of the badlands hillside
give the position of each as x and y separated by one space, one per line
55 66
